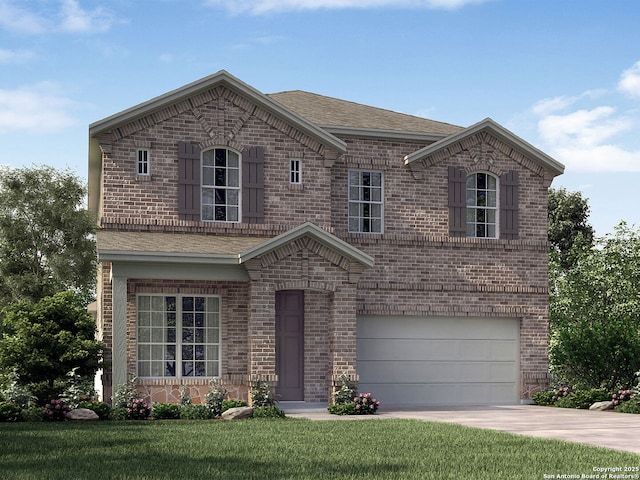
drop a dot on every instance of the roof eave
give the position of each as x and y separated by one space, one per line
382 134
164 257
497 130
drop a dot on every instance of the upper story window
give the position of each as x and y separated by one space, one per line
365 201
295 171
142 161
220 185
482 205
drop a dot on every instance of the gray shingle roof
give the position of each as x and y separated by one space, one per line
333 112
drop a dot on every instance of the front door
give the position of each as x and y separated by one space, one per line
290 344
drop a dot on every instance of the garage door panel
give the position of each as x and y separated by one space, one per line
435 361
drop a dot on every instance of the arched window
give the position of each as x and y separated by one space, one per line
220 185
482 205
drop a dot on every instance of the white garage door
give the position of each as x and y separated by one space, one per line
439 361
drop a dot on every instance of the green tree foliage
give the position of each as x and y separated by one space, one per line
41 342
46 235
569 229
595 313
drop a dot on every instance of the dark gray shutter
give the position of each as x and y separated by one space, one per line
509 186
253 185
188 181
457 202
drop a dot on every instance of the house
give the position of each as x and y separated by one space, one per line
293 237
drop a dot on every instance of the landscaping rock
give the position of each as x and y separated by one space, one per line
606 405
237 413
82 414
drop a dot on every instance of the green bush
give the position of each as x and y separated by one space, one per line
32 414
9 412
194 411
102 409
631 406
56 410
165 411
544 398
583 399
118 414
261 394
343 408
348 390
233 403
270 411
215 398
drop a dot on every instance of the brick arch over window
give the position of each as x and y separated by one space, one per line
508 211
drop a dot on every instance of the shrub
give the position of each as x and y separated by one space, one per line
583 399
32 414
161 411
102 409
347 391
343 408
270 411
118 413
560 393
125 394
55 410
622 396
365 404
233 403
195 412
17 394
138 409
216 397
544 398
9 412
78 389
631 406
261 394
185 398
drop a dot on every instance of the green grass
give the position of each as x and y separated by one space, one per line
287 449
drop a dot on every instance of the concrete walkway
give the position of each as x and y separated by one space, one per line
609 429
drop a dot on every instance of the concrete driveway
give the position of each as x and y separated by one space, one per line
609 429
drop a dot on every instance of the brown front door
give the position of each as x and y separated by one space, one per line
290 344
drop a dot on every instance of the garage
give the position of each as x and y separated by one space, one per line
439 360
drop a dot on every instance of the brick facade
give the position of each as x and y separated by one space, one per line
419 269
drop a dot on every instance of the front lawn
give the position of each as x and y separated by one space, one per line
287 449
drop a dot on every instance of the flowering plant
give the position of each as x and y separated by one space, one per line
56 410
561 392
622 396
137 409
365 404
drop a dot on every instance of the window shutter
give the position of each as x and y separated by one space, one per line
188 181
253 185
509 186
457 202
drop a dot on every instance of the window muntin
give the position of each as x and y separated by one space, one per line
365 201
178 336
142 161
482 205
295 171
220 185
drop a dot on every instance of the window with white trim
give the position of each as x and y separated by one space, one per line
482 205
220 185
365 201
142 161
295 170
178 336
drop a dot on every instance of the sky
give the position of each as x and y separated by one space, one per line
564 75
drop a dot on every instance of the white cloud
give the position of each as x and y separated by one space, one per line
38 108
66 16
264 6
630 81
15 56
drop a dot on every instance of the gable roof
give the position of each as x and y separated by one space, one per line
350 118
498 131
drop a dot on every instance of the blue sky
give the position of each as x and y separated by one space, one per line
562 74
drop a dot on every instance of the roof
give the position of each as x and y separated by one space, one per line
497 130
342 116
211 249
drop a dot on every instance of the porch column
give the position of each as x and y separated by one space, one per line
262 331
342 330
119 348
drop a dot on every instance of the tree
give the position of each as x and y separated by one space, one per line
594 313
46 235
41 342
569 230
